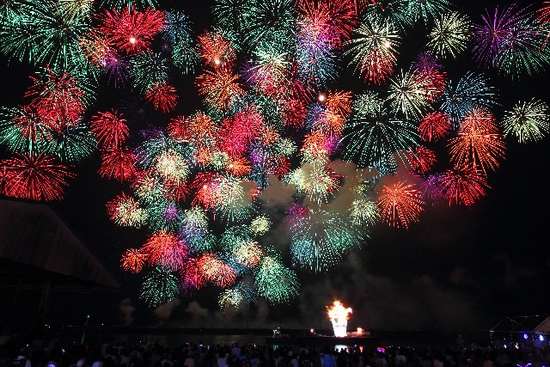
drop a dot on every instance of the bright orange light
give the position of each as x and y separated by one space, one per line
339 316
338 311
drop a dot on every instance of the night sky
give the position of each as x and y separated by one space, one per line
459 268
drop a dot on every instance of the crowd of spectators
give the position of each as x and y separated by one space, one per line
199 355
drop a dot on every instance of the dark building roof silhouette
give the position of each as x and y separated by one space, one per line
35 241
528 323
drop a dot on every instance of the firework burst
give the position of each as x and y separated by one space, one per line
110 129
275 282
400 204
450 35
131 31
471 91
479 144
408 95
373 136
463 187
269 23
35 177
434 126
511 40
159 286
320 239
373 50
118 164
219 87
44 33
527 121
165 249
133 261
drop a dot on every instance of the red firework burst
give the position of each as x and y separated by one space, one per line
294 113
166 249
118 164
205 186
400 204
34 177
176 191
177 129
133 260
434 126
130 30
281 166
238 131
544 12
199 129
56 99
331 21
216 271
110 129
464 187
479 144
361 5
163 97
421 160
216 51
378 67
191 275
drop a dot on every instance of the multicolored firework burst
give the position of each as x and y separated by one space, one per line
373 50
471 91
512 40
279 110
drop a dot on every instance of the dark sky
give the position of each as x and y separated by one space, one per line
459 268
